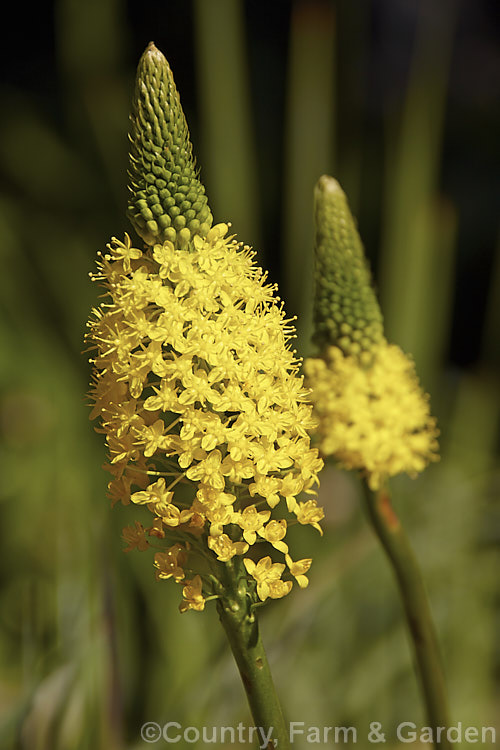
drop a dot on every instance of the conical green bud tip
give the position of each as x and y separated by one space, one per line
167 200
346 311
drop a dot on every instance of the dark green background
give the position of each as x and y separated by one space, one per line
397 99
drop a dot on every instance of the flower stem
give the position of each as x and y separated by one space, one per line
242 630
416 605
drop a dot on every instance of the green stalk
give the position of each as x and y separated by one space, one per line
416 605
242 630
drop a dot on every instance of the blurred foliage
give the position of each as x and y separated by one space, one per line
378 93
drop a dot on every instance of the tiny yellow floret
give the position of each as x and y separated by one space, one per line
192 595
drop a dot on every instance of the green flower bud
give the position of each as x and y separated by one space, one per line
167 200
346 311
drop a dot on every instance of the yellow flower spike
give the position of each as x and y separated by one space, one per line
372 413
195 385
198 392
201 404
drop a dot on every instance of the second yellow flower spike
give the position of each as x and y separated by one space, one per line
372 413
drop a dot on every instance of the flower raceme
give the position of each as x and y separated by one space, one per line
205 415
373 415
195 385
